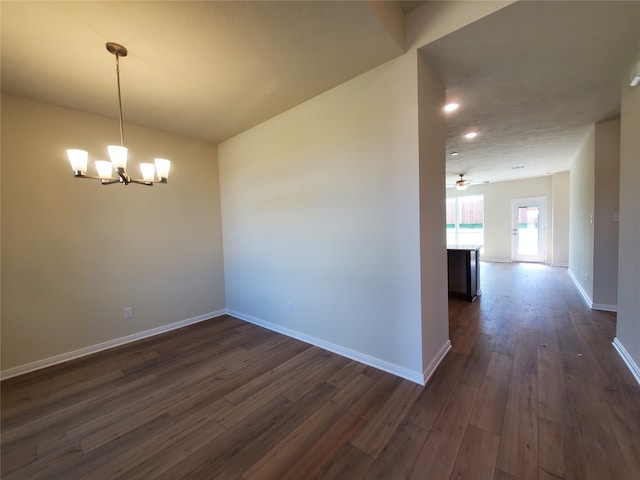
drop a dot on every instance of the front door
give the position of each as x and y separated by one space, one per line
529 229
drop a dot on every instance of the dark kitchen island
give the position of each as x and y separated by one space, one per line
463 263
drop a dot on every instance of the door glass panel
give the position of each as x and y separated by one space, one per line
528 239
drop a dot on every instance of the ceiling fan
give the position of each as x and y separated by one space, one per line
463 184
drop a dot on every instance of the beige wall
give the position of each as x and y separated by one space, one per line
560 219
628 324
605 238
581 218
594 200
320 208
497 213
432 128
75 253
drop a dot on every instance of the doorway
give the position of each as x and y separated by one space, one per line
529 229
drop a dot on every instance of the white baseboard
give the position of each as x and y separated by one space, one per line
414 376
436 361
604 307
420 378
495 260
631 364
593 306
65 357
585 296
561 264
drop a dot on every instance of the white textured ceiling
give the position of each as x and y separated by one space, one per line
530 78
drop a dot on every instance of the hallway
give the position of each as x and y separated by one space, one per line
554 398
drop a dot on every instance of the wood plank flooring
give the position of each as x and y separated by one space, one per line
532 389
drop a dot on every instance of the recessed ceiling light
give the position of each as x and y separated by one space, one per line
471 135
453 154
451 107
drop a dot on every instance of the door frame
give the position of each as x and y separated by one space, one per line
516 203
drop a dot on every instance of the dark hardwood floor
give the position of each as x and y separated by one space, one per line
532 389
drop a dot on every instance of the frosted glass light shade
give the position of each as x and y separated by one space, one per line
104 169
148 171
461 186
118 156
162 167
78 160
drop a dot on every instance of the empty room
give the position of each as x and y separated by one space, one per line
227 228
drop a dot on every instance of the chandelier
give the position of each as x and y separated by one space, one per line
118 153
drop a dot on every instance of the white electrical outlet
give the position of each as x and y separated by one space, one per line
128 312
289 306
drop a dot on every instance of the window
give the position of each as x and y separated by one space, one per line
465 220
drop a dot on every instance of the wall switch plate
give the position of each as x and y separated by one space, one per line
128 312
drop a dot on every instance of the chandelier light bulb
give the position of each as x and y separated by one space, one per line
78 160
162 168
148 171
118 156
104 169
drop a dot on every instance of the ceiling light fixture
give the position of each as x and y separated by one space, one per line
451 107
462 184
455 154
118 154
471 135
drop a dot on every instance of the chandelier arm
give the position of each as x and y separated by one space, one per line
142 182
93 177
78 174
